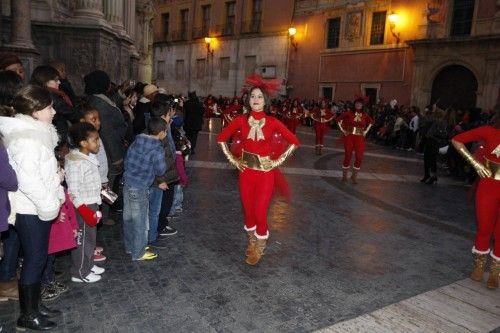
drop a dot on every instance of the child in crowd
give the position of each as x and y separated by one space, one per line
84 185
62 237
90 115
183 179
145 160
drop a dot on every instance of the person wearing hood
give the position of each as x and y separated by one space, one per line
30 139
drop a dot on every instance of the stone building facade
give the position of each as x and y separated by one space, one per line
419 52
246 36
112 35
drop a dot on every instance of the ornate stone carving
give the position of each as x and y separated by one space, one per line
353 25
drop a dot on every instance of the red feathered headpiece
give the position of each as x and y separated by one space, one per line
270 86
360 98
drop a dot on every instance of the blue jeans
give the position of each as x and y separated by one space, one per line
178 199
155 196
135 220
34 236
11 246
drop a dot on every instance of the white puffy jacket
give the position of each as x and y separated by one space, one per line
30 144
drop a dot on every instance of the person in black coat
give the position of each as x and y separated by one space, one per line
142 110
193 118
48 77
113 124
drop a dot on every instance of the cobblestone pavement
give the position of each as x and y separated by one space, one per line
336 251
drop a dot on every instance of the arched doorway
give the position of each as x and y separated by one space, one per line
454 86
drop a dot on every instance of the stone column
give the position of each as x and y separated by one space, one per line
113 10
129 18
89 8
21 24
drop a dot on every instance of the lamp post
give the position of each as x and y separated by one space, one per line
210 53
291 33
208 41
393 19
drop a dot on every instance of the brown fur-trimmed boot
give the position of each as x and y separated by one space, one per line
320 152
354 176
251 242
479 266
494 274
257 253
344 174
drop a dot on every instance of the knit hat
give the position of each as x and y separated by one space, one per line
7 59
97 82
150 89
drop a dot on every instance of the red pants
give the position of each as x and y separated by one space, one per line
356 143
320 129
256 190
488 215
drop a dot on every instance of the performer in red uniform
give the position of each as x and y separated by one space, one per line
321 116
487 198
230 112
210 106
293 115
354 125
259 163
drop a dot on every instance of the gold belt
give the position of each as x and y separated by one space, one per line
253 161
494 167
357 131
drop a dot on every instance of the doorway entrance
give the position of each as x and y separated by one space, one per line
454 87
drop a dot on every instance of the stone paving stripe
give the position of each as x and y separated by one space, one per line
326 173
340 150
452 308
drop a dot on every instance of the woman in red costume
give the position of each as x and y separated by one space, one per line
354 125
293 115
487 197
321 116
258 163
210 106
231 112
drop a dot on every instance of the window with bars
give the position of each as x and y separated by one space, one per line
256 15
230 18
179 70
224 68
463 11
205 20
165 17
378 28
333 36
200 68
184 23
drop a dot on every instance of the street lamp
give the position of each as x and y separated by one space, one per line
291 33
393 19
208 41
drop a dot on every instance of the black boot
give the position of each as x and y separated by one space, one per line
46 312
30 318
